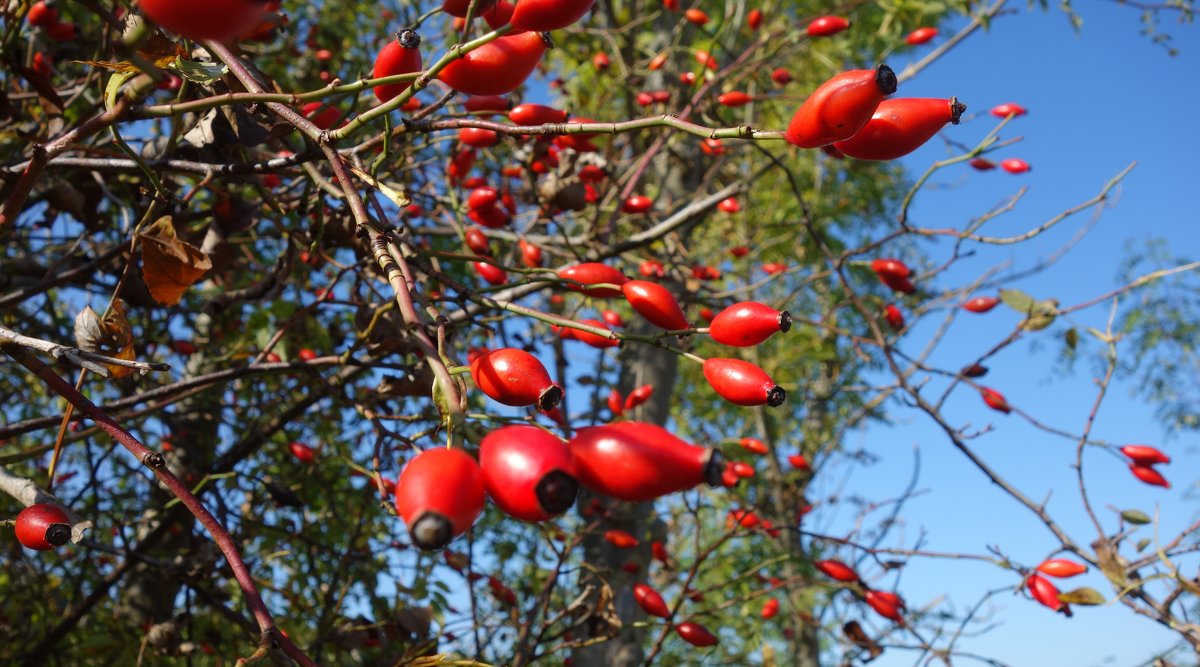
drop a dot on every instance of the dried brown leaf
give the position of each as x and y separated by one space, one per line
170 266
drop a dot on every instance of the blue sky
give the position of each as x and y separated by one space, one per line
1098 100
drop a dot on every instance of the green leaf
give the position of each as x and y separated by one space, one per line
1136 517
1143 543
1038 321
200 73
1071 337
1017 300
1084 596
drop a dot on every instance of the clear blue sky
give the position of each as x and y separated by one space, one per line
1098 100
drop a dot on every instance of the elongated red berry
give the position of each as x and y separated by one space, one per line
900 126
1046 594
893 273
637 204
995 400
696 634
799 462
639 396
748 323
887 605
837 570
770 608
620 539
650 601
981 304
840 107
439 495
636 461
1149 475
1061 568
742 383
43 527
536 114
515 377
921 36
1008 109
1144 454
580 276
491 273
734 98
655 303
1015 165
754 445
824 26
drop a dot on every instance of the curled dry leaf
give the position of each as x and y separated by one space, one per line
861 639
170 266
110 336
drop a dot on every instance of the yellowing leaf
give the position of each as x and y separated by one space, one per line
170 266
1136 517
1083 596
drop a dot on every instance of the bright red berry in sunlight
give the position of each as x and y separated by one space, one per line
1061 568
781 76
893 273
439 495
696 16
887 605
770 609
696 634
650 601
528 472
601 62
894 317
498 67
1144 455
840 107
731 205
1008 109
748 323
515 377
1046 593
707 59
306 354
43 527
487 104
636 461
620 539
398 56
901 126
639 396
742 383
1149 475
477 242
536 114
588 338
981 304
213 19
837 570
543 15
735 98
655 303
754 19
42 14
825 26
754 445
637 204
799 462
921 36
491 274
579 276
616 404
995 400
302 452
1015 165
531 255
